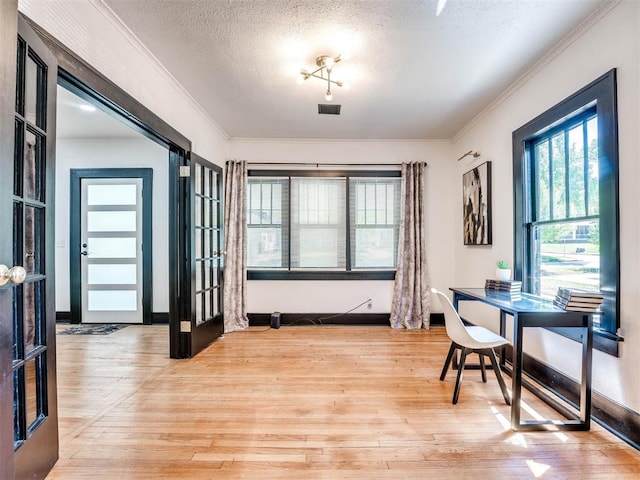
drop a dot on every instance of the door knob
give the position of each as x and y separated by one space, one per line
14 275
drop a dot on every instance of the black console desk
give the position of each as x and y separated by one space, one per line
533 311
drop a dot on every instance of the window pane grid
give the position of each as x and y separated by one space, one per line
565 239
374 229
565 173
321 236
318 223
266 220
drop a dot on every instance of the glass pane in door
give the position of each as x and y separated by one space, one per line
31 97
31 392
33 169
112 247
29 317
112 274
104 221
112 300
111 194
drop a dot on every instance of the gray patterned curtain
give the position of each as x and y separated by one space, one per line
410 304
235 245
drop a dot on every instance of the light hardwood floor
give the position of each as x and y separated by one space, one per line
301 402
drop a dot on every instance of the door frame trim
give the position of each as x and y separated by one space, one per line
75 275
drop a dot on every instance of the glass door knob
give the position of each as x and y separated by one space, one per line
14 275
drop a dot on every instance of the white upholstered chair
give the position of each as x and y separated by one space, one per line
469 339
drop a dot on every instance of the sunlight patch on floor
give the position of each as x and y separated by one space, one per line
538 469
501 418
527 408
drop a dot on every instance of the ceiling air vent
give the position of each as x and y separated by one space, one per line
328 109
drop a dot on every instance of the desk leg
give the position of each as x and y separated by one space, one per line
516 374
585 390
503 331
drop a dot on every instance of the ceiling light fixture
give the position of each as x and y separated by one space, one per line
325 63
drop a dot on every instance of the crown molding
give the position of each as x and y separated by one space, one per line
598 14
340 140
141 48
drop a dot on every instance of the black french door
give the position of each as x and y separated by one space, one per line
202 240
206 253
27 281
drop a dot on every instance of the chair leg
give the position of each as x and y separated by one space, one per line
496 368
456 390
447 362
483 371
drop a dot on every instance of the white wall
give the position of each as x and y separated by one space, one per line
613 41
114 153
91 31
340 296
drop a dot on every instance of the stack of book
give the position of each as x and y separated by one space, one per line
578 300
512 287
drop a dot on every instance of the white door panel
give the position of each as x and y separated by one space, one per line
111 232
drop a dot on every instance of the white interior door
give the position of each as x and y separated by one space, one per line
111 254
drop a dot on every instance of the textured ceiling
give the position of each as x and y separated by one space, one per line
413 75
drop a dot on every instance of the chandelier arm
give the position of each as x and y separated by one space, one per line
313 74
335 82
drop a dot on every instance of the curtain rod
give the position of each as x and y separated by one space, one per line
317 165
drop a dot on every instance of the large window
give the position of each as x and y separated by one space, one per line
302 223
566 201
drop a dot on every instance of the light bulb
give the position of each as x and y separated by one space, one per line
300 79
328 95
346 85
328 63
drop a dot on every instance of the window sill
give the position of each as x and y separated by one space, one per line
602 340
320 275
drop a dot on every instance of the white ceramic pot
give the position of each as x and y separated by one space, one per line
503 274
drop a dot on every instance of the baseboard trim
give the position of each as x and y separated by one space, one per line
290 319
159 318
156 317
262 319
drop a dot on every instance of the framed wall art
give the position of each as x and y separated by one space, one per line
476 205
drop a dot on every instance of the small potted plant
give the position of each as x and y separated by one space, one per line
503 272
